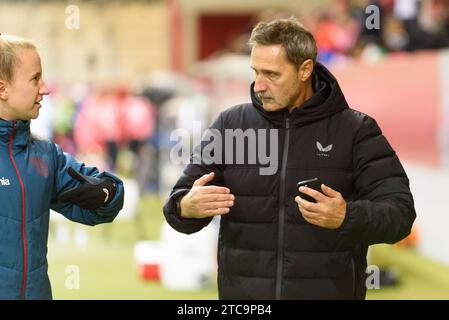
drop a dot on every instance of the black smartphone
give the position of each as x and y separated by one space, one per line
314 183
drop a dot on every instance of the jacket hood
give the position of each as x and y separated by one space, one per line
18 129
327 100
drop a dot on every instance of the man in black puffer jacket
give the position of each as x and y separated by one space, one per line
273 244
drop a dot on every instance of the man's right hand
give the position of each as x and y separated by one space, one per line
206 201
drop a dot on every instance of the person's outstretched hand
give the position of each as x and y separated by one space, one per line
206 201
92 194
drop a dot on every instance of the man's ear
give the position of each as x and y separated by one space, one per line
3 90
305 70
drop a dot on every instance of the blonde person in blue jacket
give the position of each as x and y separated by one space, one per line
36 176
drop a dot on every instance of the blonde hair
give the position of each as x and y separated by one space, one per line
9 49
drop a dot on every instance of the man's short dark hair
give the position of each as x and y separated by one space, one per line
298 43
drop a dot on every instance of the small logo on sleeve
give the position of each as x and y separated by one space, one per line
4 182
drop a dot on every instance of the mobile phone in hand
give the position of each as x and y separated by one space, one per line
313 183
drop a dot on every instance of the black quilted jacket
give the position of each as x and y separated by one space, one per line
266 248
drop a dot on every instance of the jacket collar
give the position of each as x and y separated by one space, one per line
18 129
327 100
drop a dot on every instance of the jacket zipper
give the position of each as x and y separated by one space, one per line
280 251
353 276
24 242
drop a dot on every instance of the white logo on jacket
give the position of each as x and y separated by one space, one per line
4 181
323 151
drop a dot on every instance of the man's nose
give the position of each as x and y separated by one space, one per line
259 84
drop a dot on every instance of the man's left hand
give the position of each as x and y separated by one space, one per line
329 211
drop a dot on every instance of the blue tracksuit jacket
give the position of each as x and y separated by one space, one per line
32 174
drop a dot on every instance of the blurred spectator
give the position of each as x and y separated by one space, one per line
406 25
341 31
159 87
63 120
139 117
336 31
94 111
110 120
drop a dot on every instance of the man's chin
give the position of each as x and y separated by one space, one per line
269 107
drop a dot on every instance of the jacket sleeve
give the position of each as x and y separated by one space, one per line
194 170
383 209
63 181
